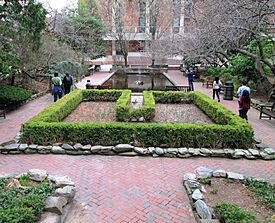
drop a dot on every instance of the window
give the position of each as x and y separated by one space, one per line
142 17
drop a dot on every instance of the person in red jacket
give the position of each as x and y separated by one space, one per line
244 104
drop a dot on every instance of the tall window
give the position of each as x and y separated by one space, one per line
176 19
153 18
142 17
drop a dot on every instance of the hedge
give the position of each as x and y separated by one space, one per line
13 95
230 131
174 97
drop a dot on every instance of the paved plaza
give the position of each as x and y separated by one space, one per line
132 189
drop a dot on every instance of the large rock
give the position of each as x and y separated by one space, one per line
197 195
78 146
229 152
68 192
189 176
193 184
183 151
87 147
58 150
218 153
159 151
37 174
235 176
49 217
202 209
23 147
173 151
204 172
102 149
44 149
67 146
75 152
265 156
33 146
269 151
55 204
61 181
142 151
121 148
219 173
205 151
254 152
11 147
30 151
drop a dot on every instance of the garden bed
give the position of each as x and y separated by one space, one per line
235 192
180 113
34 196
228 197
93 112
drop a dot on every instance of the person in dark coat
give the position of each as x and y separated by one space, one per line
67 83
190 76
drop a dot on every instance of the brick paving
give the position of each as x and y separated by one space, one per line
131 189
10 126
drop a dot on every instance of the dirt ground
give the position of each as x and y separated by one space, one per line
236 193
165 113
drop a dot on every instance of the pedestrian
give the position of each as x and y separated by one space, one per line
67 83
56 90
88 84
190 76
244 104
242 88
217 88
240 92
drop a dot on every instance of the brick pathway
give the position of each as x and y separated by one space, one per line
10 126
132 189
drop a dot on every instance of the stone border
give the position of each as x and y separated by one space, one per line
260 152
56 206
203 214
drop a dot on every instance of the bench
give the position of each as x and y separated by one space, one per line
267 111
107 86
3 111
183 88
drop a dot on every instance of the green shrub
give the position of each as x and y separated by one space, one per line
229 132
171 97
101 95
123 106
18 206
262 190
230 213
13 95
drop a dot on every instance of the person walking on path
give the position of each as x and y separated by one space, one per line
190 76
244 104
217 88
67 82
242 88
56 90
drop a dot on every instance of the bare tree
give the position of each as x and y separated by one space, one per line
225 26
119 18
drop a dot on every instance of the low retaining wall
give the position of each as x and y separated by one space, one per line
259 152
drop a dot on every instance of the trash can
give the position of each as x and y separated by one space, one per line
228 90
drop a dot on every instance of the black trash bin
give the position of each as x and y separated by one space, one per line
228 90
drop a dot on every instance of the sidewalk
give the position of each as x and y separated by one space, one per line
10 126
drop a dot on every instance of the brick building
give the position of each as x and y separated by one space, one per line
141 22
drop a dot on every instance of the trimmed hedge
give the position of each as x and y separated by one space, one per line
230 131
13 95
171 97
